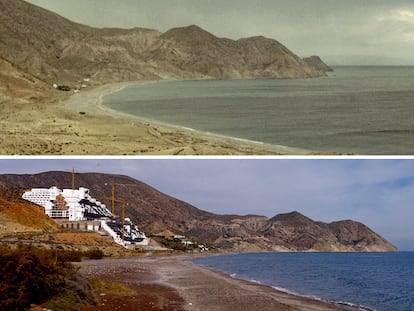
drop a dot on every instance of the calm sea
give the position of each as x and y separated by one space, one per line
365 281
364 110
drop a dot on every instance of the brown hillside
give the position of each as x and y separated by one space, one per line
298 230
196 50
53 49
26 223
19 86
24 217
155 212
356 235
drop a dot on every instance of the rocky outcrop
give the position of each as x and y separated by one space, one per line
316 62
53 49
193 49
155 212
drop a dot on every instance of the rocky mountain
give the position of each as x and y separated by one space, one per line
49 48
156 212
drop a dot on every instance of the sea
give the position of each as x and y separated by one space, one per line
358 281
353 110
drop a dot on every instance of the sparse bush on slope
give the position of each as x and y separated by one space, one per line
33 276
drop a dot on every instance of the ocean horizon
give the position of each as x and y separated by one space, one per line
358 281
361 110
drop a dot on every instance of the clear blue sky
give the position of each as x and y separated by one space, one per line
342 32
379 193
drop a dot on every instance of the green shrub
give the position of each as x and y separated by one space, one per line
69 256
30 276
76 294
94 254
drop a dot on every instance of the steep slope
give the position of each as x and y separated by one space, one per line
196 50
19 86
294 229
357 236
56 50
33 38
21 216
155 212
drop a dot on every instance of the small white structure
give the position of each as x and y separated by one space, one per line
68 204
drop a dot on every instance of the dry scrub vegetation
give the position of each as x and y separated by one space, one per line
31 276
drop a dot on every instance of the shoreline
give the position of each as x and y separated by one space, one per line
182 128
91 101
198 287
58 123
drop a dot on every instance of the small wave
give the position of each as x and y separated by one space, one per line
349 305
354 306
256 282
377 132
284 290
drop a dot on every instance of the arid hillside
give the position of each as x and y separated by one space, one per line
21 216
49 48
155 212
25 223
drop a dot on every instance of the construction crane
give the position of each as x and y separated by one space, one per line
122 201
113 184
73 177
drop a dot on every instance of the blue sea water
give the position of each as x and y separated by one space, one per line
363 110
365 281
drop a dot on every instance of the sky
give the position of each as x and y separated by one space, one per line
376 192
342 32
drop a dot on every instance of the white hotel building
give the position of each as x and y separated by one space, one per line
73 205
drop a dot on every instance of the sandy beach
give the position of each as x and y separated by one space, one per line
173 283
79 125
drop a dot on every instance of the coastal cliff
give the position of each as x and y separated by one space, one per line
155 212
45 47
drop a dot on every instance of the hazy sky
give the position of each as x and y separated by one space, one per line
379 193
342 32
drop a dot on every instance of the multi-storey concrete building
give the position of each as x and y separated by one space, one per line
68 204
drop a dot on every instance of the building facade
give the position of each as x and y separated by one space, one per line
70 204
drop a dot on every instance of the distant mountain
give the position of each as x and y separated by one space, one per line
156 212
52 49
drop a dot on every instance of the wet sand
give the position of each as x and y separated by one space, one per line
172 283
79 125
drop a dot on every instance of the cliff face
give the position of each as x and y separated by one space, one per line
53 49
155 212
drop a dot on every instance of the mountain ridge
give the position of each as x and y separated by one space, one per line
155 212
55 50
